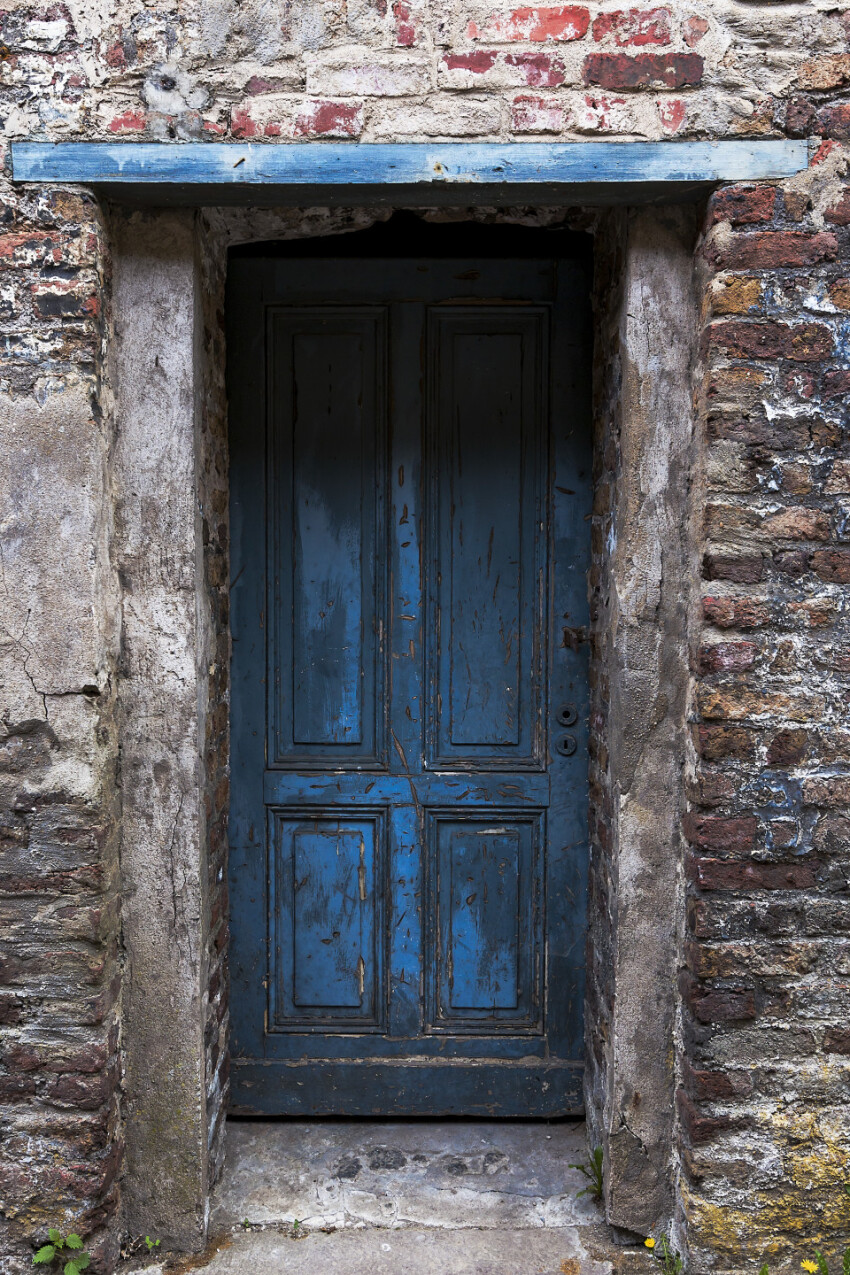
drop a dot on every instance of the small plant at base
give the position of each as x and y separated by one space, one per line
670 1260
152 1244
592 1170
54 1249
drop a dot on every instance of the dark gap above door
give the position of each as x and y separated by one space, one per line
405 234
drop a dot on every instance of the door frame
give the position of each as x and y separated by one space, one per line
168 294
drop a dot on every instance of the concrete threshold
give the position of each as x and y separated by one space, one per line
406 1198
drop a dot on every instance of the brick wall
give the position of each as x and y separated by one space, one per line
765 1081
59 921
391 69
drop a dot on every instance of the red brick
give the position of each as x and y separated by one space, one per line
643 70
783 834
329 119
717 743
259 84
775 249
535 23
721 1006
633 26
405 28
673 113
699 1128
736 613
478 61
798 523
827 790
788 748
715 1086
64 301
823 152
537 115
831 71
732 875
131 121
16 1088
539 70
743 205
836 384
802 342
116 55
27 247
799 117
832 834
713 789
85 1093
725 657
10 1011
738 570
832 565
599 113
719 833
694 29
21 1057
834 121
839 214
836 1040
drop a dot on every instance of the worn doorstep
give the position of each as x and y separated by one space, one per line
405 1198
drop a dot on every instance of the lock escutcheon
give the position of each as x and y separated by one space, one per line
565 745
567 715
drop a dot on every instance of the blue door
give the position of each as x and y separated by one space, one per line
410 542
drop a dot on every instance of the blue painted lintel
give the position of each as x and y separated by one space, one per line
232 164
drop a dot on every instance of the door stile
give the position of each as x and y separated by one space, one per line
569 658
247 833
405 625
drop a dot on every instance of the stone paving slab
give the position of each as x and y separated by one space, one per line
410 1251
483 1174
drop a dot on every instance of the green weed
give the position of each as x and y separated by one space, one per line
592 1170
56 1248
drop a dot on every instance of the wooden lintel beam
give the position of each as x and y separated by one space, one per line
435 165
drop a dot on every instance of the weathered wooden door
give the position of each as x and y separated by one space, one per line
410 540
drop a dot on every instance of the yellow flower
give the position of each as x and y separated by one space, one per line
650 1243
809 1266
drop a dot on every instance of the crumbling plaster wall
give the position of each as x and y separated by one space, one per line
641 588
163 704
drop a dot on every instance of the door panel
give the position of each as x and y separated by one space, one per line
327 895
410 500
488 557
486 961
328 542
